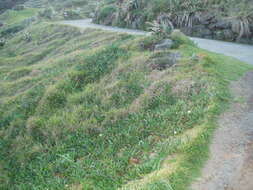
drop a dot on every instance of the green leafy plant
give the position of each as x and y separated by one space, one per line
162 26
241 26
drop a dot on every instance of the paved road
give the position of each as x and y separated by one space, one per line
240 51
87 23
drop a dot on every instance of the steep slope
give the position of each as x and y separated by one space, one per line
88 109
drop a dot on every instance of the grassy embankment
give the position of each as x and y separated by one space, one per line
88 110
11 17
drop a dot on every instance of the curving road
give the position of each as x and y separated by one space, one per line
240 51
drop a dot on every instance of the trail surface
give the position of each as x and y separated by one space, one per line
240 51
230 166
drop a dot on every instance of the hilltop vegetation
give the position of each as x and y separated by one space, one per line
230 20
88 109
8 4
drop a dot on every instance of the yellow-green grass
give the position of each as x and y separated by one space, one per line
14 17
87 110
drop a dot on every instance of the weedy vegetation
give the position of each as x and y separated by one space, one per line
87 110
222 19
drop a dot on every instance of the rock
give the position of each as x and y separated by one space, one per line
208 37
224 35
19 7
136 23
251 42
219 35
205 22
222 24
164 44
164 61
1 24
108 20
206 18
211 26
202 31
251 27
229 35
206 32
244 40
187 30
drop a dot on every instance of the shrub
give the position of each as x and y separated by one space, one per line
105 12
162 26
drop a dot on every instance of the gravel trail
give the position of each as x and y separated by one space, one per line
230 166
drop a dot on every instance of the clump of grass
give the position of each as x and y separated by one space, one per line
179 39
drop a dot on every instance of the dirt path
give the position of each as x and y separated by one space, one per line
230 166
240 51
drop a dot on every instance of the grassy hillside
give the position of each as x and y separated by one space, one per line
65 9
11 17
97 110
230 20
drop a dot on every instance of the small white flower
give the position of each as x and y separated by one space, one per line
189 111
100 135
175 132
